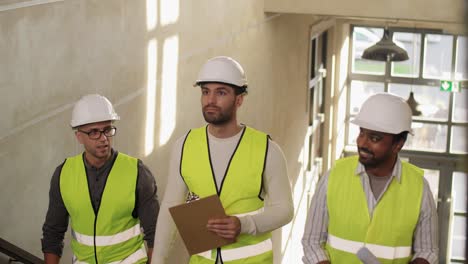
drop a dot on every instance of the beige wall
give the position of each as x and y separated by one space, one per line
448 11
54 53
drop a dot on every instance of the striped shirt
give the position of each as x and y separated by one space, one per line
425 243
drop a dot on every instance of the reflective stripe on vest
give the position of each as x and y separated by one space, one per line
133 258
242 252
108 240
379 251
251 213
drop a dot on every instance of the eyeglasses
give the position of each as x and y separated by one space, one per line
96 133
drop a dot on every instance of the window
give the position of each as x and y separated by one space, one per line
458 230
438 56
363 38
442 125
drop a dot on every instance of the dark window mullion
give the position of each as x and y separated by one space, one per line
464 214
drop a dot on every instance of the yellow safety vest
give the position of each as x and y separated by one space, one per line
388 233
111 235
239 192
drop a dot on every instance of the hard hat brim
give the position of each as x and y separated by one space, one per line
77 123
198 82
375 127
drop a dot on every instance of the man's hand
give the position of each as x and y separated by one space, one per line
149 252
50 258
227 227
419 261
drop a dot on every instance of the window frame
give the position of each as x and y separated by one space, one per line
388 79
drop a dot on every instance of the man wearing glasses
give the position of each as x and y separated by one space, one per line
105 193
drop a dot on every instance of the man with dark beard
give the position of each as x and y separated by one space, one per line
243 166
374 207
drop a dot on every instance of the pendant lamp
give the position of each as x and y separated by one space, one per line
385 49
413 104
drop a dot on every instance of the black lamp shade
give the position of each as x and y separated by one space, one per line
385 49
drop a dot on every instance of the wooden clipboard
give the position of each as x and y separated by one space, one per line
191 220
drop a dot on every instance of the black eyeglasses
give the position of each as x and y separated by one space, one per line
96 133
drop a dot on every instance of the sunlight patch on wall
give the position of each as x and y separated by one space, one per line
151 14
169 89
343 63
297 191
303 191
169 11
150 97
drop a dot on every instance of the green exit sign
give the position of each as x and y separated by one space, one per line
449 86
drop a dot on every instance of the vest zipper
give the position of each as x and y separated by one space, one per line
218 190
218 256
96 212
94 237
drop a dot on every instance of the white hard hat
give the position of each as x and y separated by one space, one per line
224 70
385 112
92 108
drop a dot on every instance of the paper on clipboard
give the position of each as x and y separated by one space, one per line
191 219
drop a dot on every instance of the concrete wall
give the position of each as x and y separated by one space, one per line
144 56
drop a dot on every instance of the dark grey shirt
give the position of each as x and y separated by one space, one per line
378 184
146 204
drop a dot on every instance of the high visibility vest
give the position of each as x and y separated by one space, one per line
388 232
239 192
111 235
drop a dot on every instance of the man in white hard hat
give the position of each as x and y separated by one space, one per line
374 207
243 166
108 196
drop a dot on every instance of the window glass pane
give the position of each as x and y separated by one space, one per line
360 91
459 191
432 103
428 137
461 72
411 42
438 56
458 138
311 105
432 177
312 59
458 237
460 106
364 37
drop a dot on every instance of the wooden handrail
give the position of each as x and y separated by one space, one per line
18 254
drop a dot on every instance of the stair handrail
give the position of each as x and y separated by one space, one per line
18 254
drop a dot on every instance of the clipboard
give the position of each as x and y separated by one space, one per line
191 219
